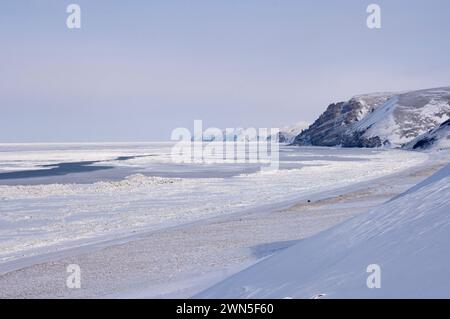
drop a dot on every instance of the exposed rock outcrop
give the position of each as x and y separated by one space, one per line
381 119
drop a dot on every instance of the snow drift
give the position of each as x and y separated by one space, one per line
408 237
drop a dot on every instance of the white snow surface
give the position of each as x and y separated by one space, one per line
44 218
408 237
371 101
435 139
403 116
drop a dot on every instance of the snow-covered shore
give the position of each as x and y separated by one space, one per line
406 241
183 261
54 216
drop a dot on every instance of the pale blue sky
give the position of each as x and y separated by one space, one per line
138 69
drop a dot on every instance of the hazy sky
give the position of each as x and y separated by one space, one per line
138 69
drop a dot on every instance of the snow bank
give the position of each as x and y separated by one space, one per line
408 237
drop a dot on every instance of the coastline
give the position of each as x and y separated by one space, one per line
184 260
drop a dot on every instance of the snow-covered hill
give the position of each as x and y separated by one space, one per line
381 119
287 134
438 138
407 237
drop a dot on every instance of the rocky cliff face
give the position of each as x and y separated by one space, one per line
330 129
382 119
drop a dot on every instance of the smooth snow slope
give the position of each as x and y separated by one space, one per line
409 238
438 138
405 116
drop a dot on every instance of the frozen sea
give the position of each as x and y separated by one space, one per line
59 196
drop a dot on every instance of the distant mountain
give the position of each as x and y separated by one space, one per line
285 135
236 134
380 119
